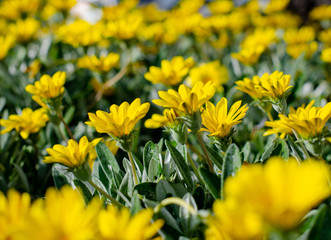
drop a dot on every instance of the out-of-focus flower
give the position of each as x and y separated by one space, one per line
218 121
24 30
99 86
248 56
6 43
118 11
76 156
307 121
62 5
260 37
326 55
168 119
111 144
222 41
299 35
186 101
15 9
283 20
248 86
114 223
102 64
220 7
171 72
325 37
321 12
276 6
296 50
212 71
152 13
48 87
33 68
159 32
27 123
281 192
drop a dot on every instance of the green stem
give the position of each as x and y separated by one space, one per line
113 200
210 165
190 160
66 126
177 201
61 133
301 144
135 178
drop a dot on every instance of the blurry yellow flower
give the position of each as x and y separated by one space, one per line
276 6
15 9
186 101
299 35
307 121
48 87
121 120
111 144
325 37
295 50
62 214
281 192
98 86
119 10
233 221
212 71
222 41
33 68
102 64
25 30
116 223
152 13
260 37
218 121
171 72
14 210
6 43
47 12
321 12
74 155
220 6
249 56
159 32
326 55
283 20
27 123
248 86
62 5
168 118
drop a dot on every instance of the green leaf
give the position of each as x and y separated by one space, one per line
2 103
151 161
246 151
99 173
216 158
85 192
231 164
69 114
130 183
188 222
285 152
267 153
181 164
212 182
106 159
165 189
147 189
23 177
135 203
60 177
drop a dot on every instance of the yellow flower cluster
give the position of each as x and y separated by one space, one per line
14 9
326 55
260 198
21 219
102 64
6 43
168 119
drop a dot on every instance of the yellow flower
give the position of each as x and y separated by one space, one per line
248 86
249 56
326 55
171 72
321 12
33 68
260 37
6 43
62 5
296 50
308 121
220 7
281 192
121 120
186 101
27 123
74 155
325 37
62 214
111 144
13 214
276 6
295 36
233 221
24 30
168 118
116 223
14 9
102 64
219 121
48 87
212 71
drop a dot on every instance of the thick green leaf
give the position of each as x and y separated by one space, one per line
59 174
84 190
180 163
107 159
151 161
23 177
147 189
135 203
216 158
285 152
188 222
246 151
165 189
267 153
212 182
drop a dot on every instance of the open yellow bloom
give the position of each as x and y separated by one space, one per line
281 192
186 101
249 56
307 121
102 64
321 12
158 121
27 123
24 30
260 37
48 87
14 9
6 43
62 5
212 71
248 86
75 154
299 35
121 120
218 120
171 72
116 223
326 55
296 50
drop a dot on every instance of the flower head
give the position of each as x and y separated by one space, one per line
168 118
326 55
24 30
219 121
116 223
171 72
6 43
249 56
28 122
102 64
186 101
62 5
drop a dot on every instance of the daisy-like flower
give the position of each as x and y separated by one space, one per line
114 223
248 86
102 64
27 123
326 55
78 157
169 118
170 73
249 56
219 121
24 30
6 43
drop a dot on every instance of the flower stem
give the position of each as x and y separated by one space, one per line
269 116
210 165
66 126
135 178
193 166
305 152
113 200
177 201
